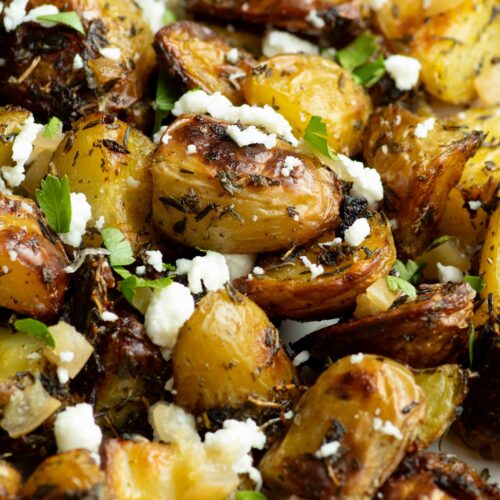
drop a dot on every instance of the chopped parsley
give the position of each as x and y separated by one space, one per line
53 128
394 283
165 99
131 283
55 201
410 272
169 17
316 136
71 19
476 282
250 495
370 73
35 329
121 253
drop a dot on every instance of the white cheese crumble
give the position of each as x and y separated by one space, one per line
475 204
62 375
258 271
140 270
155 259
240 265
66 356
315 269
280 42
221 108
384 148
290 163
315 19
15 14
449 273
88 15
328 449
289 414
75 428
191 149
232 56
158 135
22 148
357 358
423 128
378 4
168 310
387 428
109 316
211 269
301 357
250 135
404 70
99 223
113 53
355 234
153 12
81 213
77 62
12 255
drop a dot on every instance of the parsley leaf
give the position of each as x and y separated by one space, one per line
316 136
55 201
471 343
358 52
394 283
36 329
131 283
370 73
409 272
71 19
250 495
476 282
438 242
169 17
121 253
53 128
165 99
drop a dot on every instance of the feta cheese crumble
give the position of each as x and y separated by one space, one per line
81 213
378 4
232 56
62 375
404 70
449 273
15 14
475 204
387 428
423 128
355 234
315 269
240 265
109 316
250 135
258 271
66 356
290 163
280 42
153 12
77 62
155 259
301 358
328 449
191 149
113 53
158 135
315 19
357 358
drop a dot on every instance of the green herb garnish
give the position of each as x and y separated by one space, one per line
316 136
471 343
410 272
71 19
394 283
131 283
250 495
165 99
476 282
370 73
55 201
121 253
35 329
438 242
53 128
169 17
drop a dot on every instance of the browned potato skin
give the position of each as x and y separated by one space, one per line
10 481
341 406
427 332
52 87
418 173
231 346
73 472
36 281
285 290
12 119
196 56
235 200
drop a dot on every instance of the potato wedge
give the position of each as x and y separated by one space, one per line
32 260
354 406
70 474
198 57
109 162
397 18
237 200
10 481
424 333
290 84
419 166
231 346
286 289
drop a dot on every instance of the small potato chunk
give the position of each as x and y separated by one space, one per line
286 289
350 430
290 83
419 162
200 58
426 332
237 200
230 345
396 18
109 162
10 481
32 260
73 474
12 119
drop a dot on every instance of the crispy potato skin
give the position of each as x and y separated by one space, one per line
341 406
290 83
11 122
35 282
10 481
195 55
109 162
39 72
410 15
236 200
231 346
418 173
424 333
286 289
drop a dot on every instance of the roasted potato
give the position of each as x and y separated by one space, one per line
32 260
237 200
10 481
198 57
371 410
72 474
40 74
286 289
290 84
397 18
424 333
228 357
109 162
12 119
419 165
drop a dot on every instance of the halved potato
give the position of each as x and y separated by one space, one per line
349 432
12 119
290 84
10 481
397 18
419 165
236 199
286 288
426 332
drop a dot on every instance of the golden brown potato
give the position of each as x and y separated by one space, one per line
397 18
73 474
198 57
350 430
231 346
426 332
109 162
39 72
287 289
32 260
10 481
11 122
290 84
237 200
445 388
418 171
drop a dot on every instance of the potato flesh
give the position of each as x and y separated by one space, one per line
10 481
